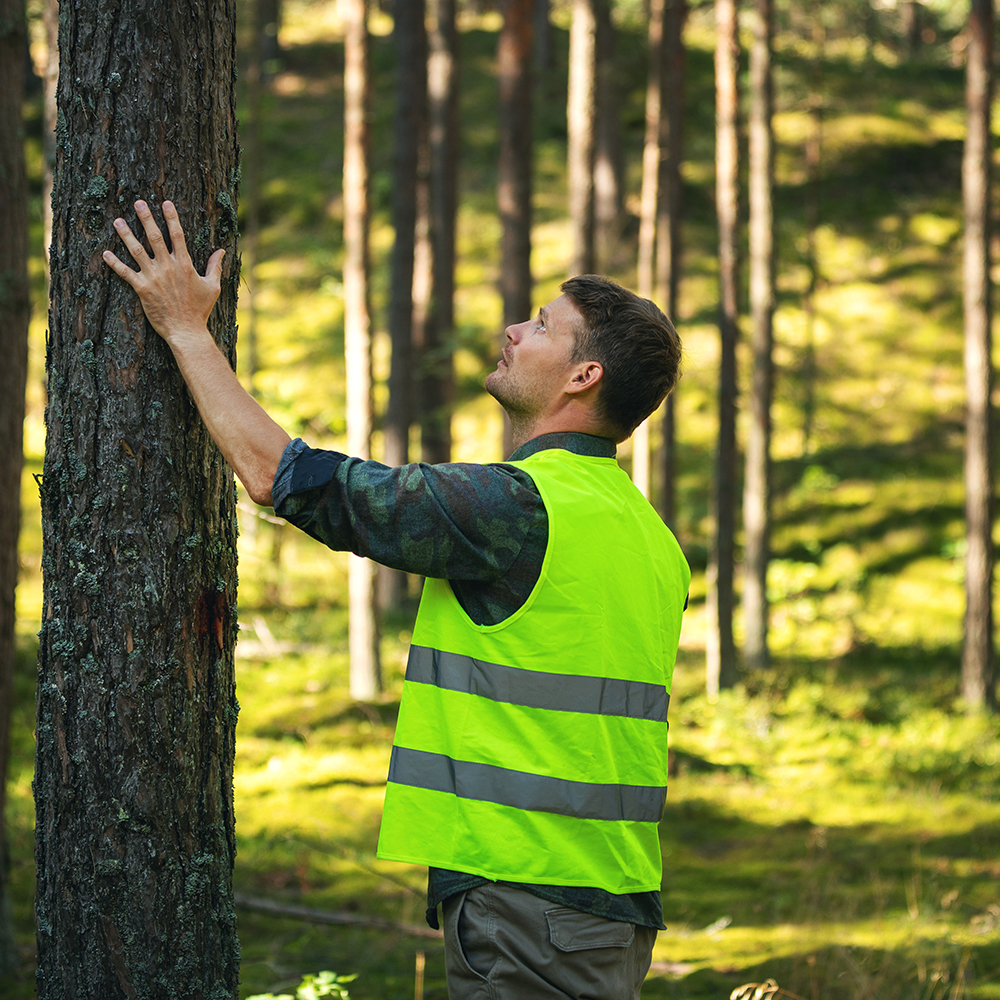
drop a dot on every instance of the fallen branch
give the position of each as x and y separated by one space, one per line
314 916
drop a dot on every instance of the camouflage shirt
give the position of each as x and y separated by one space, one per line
483 528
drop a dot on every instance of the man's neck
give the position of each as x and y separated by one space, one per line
564 422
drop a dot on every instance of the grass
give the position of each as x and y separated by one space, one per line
833 825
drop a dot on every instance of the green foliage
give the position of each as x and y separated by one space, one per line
323 984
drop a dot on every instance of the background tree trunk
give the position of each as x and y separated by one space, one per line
668 227
253 155
609 167
721 651
50 19
410 42
437 379
410 39
268 16
757 481
653 151
15 308
978 649
136 695
543 35
514 54
581 121
365 670
814 162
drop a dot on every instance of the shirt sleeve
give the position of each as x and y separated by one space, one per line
455 521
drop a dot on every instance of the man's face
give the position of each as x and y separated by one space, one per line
535 360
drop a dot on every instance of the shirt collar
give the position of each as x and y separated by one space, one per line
574 441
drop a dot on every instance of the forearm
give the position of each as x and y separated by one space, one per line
250 441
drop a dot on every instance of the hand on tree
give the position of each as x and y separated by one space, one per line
177 300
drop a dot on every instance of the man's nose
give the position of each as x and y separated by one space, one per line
513 332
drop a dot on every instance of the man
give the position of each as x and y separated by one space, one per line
529 767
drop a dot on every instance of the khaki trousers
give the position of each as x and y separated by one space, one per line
503 943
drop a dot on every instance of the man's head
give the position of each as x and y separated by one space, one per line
598 359
635 344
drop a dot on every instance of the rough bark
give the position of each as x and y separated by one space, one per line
136 696
365 672
514 169
757 480
721 650
15 306
437 378
581 123
978 649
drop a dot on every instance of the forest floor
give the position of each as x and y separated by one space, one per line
833 824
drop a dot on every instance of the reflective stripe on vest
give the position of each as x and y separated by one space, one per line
534 792
536 689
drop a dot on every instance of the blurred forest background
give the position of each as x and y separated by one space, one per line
833 821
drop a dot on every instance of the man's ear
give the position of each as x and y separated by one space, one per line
586 376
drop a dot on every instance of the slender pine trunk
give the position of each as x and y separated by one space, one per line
721 650
15 308
365 670
437 381
514 56
978 653
757 481
581 122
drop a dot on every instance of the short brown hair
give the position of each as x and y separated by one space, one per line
635 343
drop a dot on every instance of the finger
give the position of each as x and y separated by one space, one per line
120 268
153 233
135 248
176 230
213 271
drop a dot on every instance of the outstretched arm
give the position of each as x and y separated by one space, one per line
178 301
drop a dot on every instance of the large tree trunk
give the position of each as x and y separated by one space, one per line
437 380
978 649
668 226
365 672
757 482
15 305
136 695
581 122
514 169
721 650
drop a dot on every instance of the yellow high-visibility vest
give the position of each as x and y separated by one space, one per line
535 750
